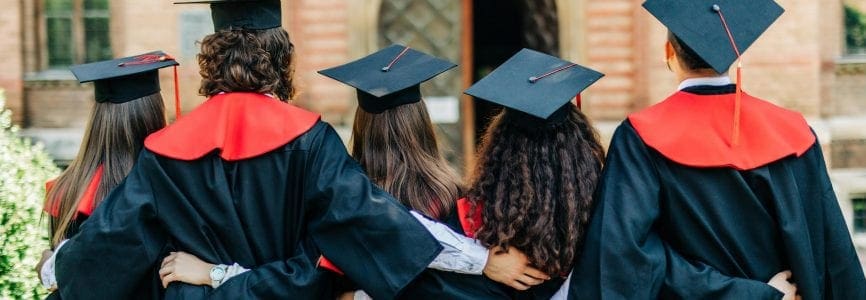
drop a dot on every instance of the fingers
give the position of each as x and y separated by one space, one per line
517 285
165 271
535 273
168 279
45 256
168 259
529 280
784 275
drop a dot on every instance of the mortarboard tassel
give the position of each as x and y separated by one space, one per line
393 61
176 96
152 58
533 79
735 134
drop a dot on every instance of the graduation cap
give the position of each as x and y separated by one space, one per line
389 77
534 83
710 28
247 14
124 79
718 31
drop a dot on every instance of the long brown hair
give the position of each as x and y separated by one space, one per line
113 137
245 60
535 180
397 148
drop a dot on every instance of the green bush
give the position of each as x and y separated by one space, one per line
24 168
855 30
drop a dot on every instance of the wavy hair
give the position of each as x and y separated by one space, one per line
536 180
397 148
113 138
244 60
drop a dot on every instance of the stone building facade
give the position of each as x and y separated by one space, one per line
800 63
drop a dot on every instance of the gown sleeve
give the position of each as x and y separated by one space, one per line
460 255
294 278
843 278
625 258
365 232
118 247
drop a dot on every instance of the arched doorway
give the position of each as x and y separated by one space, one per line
500 29
432 26
479 35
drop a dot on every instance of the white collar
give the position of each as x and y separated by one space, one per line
714 81
268 94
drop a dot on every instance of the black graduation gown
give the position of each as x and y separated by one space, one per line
273 213
661 229
435 284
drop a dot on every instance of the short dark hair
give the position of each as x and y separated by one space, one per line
690 60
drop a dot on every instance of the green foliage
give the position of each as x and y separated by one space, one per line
855 30
24 168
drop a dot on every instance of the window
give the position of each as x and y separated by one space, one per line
76 31
855 31
431 26
858 204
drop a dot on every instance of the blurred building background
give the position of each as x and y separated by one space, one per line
812 60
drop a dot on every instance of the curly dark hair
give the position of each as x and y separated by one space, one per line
535 180
244 60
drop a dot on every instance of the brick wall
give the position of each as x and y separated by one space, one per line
792 64
609 47
627 44
58 103
137 28
11 78
319 31
849 90
849 153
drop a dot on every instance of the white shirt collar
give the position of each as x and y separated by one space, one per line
715 81
268 94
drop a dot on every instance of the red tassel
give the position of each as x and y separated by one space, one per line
735 138
152 58
176 96
146 59
735 132
578 102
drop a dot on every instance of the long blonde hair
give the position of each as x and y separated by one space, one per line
113 137
397 148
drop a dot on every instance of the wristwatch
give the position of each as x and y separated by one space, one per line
217 274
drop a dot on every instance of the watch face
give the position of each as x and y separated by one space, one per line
217 273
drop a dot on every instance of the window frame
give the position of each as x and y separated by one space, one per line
79 41
859 229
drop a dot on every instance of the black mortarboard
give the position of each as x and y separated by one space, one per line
247 14
700 24
390 77
534 83
124 79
